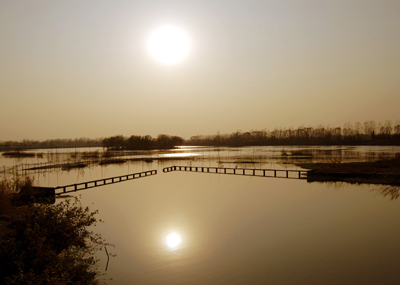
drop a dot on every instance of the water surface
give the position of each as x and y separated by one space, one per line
198 228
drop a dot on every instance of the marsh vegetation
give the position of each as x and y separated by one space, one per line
382 171
19 154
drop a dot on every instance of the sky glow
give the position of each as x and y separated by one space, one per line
71 69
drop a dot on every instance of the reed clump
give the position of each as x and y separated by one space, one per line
301 153
90 154
109 153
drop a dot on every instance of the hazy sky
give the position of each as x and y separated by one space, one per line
81 68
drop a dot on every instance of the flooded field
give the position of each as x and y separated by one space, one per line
198 228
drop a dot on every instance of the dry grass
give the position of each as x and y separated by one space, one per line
8 189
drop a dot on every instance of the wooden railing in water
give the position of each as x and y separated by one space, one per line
102 182
277 173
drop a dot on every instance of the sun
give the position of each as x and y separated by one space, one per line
173 240
168 44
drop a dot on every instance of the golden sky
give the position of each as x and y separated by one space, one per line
82 68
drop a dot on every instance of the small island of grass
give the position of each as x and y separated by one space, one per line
385 171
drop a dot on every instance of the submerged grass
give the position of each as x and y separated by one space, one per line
74 165
112 161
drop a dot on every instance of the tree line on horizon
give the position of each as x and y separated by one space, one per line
142 142
367 133
51 143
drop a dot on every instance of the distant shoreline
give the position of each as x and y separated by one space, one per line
16 149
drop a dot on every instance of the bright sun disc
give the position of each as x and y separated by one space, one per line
168 44
173 240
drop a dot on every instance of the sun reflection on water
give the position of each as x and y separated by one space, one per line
187 154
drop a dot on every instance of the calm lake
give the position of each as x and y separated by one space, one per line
201 228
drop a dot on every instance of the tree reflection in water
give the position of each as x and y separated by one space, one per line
389 191
392 191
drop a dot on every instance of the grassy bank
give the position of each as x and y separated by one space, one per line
385 171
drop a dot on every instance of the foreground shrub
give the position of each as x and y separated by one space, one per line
48 244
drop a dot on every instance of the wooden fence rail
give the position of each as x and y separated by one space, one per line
277 173
102 182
